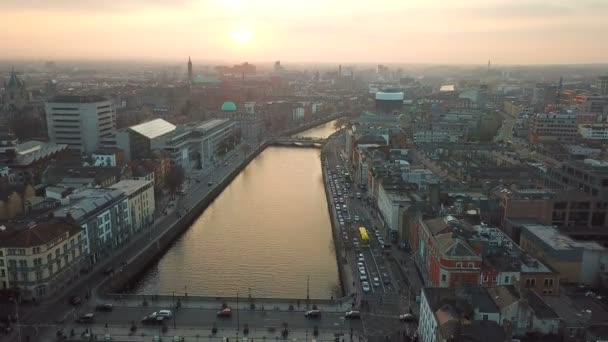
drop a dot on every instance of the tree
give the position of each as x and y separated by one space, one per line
175 178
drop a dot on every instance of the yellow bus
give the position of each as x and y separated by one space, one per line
364 237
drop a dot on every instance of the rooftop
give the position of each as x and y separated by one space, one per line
556 240
211 124
129 186
503 296
77 99
540 308
154 129
26 234
33 150
88 201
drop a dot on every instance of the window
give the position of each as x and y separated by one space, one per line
530 282
443 277
471 265
485 317
459 265
22 263
485 279
548 282
494 279
506 280
38 275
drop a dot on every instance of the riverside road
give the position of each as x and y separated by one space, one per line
383 303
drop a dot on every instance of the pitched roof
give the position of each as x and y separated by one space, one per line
27 234
503 296
454 247
539 307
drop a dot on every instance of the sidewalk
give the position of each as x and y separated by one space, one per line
261 304
122 333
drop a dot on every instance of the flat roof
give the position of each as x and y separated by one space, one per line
129 186
154 129
211 124
558 241
77 99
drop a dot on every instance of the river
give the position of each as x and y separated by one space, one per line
265 234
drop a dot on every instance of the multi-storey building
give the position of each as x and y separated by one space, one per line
593 131
80 122
576 261
602 85
553 127
563 208
452 253
103 215
139 197
41 257
589 176
443 258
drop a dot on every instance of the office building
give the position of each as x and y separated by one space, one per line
553 127
602 85
80 122
593 131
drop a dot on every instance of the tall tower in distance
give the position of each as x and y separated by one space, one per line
189 69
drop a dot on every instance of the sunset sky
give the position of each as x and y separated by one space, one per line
347 31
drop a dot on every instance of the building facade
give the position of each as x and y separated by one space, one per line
553 127
140 203
80 122
40 258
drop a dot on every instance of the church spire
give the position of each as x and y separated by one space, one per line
189 69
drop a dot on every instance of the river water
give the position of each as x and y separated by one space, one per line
265 234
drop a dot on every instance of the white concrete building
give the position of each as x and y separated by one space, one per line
593 131
392 204
140 202
81 122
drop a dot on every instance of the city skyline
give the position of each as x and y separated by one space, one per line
507 32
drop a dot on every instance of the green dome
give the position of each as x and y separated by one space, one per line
229 106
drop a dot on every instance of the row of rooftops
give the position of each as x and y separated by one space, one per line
458 238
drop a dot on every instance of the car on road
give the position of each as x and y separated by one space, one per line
358 195
361 259
365 286
360 265
376 281
362 270
165 313
75 300
209 183
356 218
408 317
312 314
86 318
225 313
362 277
352 314
153 318
104 307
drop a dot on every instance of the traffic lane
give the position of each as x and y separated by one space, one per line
207 317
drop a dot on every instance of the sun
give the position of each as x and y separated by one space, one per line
241 35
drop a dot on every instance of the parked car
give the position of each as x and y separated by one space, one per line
312 314
365 286
104 307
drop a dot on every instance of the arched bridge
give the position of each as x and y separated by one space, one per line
297 141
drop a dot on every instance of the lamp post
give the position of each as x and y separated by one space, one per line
237 316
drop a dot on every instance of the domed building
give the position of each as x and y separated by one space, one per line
228 107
